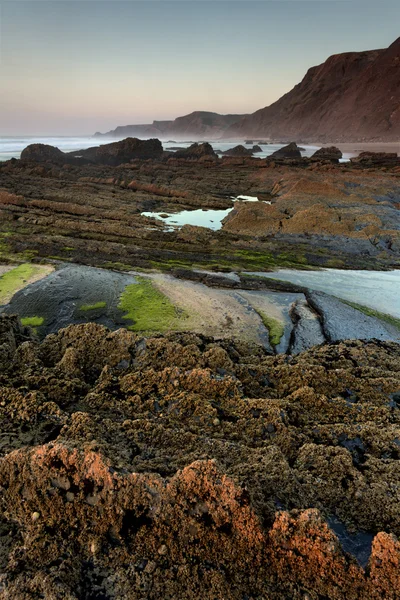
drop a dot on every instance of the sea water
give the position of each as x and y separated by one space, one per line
11 147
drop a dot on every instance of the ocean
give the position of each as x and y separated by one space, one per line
11 147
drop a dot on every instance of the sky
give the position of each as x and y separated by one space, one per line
73 67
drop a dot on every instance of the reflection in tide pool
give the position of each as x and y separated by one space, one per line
379 290
212 219
202 218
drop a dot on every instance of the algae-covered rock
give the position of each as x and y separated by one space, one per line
136 467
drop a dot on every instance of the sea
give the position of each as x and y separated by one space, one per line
11 147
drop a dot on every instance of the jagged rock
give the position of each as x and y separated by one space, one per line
238 151
343 322
12 335
332 154
42 153
290 151
193 465
196 151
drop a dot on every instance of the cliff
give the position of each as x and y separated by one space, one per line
198 124
351 97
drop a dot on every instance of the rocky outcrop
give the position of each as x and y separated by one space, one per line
343 322
121 152
291 151
332 154
196 151
42 153
350 97
239 151
376 159
152 468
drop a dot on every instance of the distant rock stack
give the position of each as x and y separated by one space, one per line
332 154
290 151
196 151
238 151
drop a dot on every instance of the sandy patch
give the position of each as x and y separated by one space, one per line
220 313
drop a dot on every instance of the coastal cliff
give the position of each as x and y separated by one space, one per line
351 97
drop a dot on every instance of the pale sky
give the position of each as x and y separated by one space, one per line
73 67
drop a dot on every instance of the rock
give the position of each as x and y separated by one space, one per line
332 154
307 330
376 159
196 151
12 336
256 148
42 153
124 151
289 151
343 322
238 151
199 467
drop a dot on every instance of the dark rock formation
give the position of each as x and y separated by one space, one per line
256 148
350 97
239 151
290 151
376 159
196 151
332 154
42 153
121 152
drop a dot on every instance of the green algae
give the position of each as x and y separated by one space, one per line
275 328
148 308
95 306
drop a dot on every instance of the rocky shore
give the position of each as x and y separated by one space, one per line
87 207
181 467
254 455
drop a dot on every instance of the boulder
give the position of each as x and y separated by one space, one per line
121 152
238 151
196 151
289 151
256 148
332 154
42 153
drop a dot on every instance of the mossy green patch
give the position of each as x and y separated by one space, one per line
32 321
148 308
17 278
95 306
371 312
275 328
